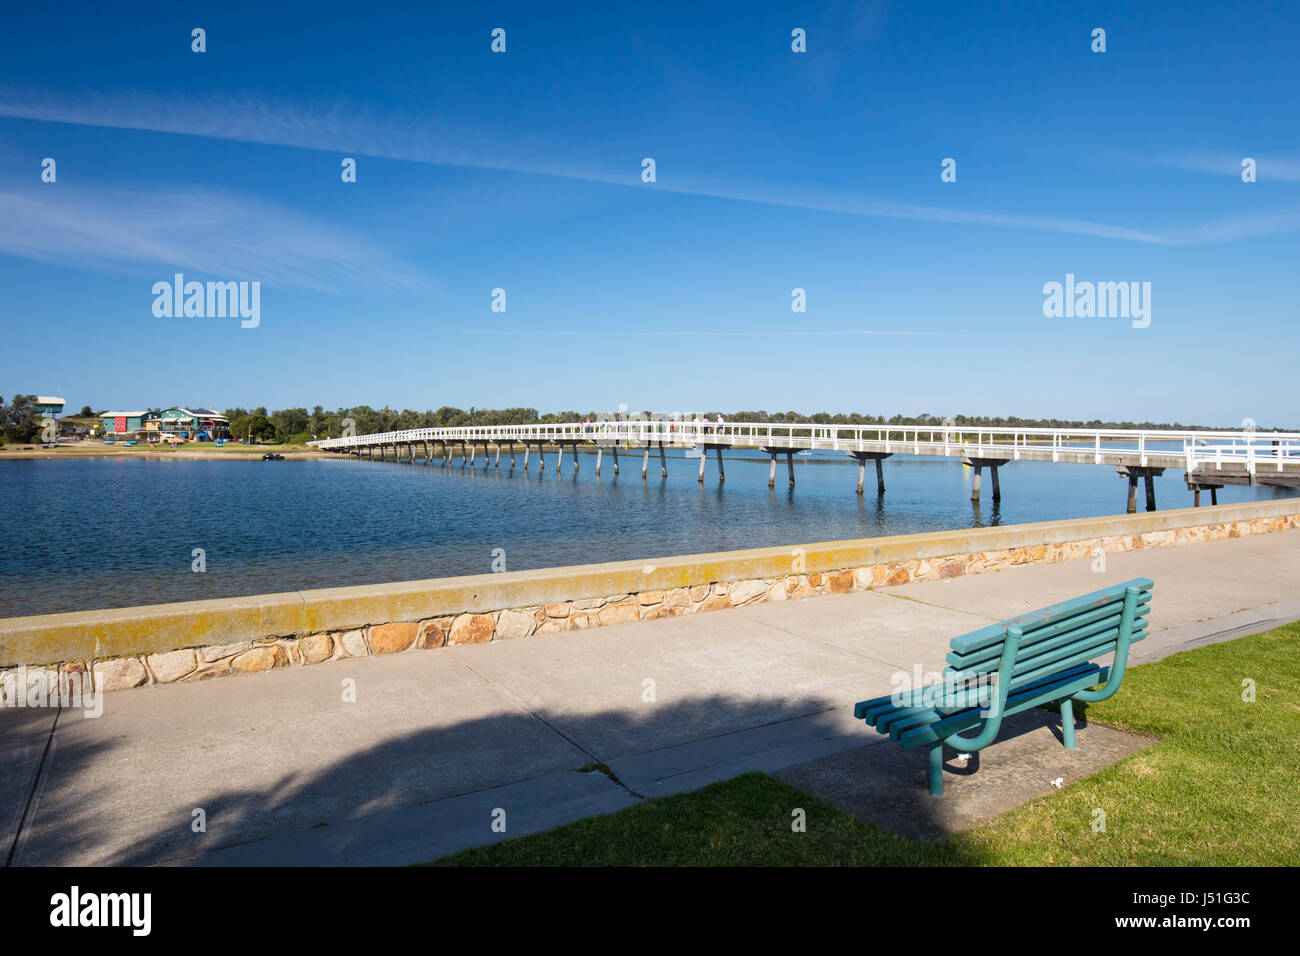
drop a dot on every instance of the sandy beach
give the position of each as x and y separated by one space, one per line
100 450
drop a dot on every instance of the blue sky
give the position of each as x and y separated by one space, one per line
775 170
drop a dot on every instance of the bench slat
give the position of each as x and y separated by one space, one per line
989 654
1075 642
1036 620
1059 686
1079 657
895 720
1060 649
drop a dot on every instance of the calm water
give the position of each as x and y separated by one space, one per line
93 533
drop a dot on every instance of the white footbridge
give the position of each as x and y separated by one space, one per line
1211 459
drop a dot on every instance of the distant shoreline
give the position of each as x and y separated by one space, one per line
242 453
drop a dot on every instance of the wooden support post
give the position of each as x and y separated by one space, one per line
614 451
771 472
703 454
599 452
997 490
663 462
880 476
527 449
722 475
574 449
1132 494
1196 497
789 464
541 458
645 462
512 456
498 461
1151 493
975 484
462 454
559 461
862 472
1214 496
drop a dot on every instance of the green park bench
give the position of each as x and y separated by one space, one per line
1038 659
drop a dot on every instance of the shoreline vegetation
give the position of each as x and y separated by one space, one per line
195 451
20 424
297 423
287 432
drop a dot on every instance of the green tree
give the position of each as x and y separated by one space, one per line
289 422
257 427
19 420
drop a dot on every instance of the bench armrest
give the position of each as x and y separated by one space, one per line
1121 652
992 721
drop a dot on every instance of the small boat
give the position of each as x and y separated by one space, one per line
271 457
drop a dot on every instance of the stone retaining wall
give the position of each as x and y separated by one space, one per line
448 612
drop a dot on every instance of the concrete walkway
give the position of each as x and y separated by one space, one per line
438 743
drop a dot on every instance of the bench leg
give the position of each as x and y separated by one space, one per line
936 770
1067 724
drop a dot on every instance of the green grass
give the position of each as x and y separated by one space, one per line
1219 789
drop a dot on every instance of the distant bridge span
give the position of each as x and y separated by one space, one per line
1211 459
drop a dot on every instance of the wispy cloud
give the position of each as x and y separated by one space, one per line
358 130
1279 168
220 233
707 333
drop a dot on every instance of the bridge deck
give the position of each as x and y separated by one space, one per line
1232 455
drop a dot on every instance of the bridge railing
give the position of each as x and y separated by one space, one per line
1252 451
1195 447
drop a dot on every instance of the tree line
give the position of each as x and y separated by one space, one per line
299 424
19 421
